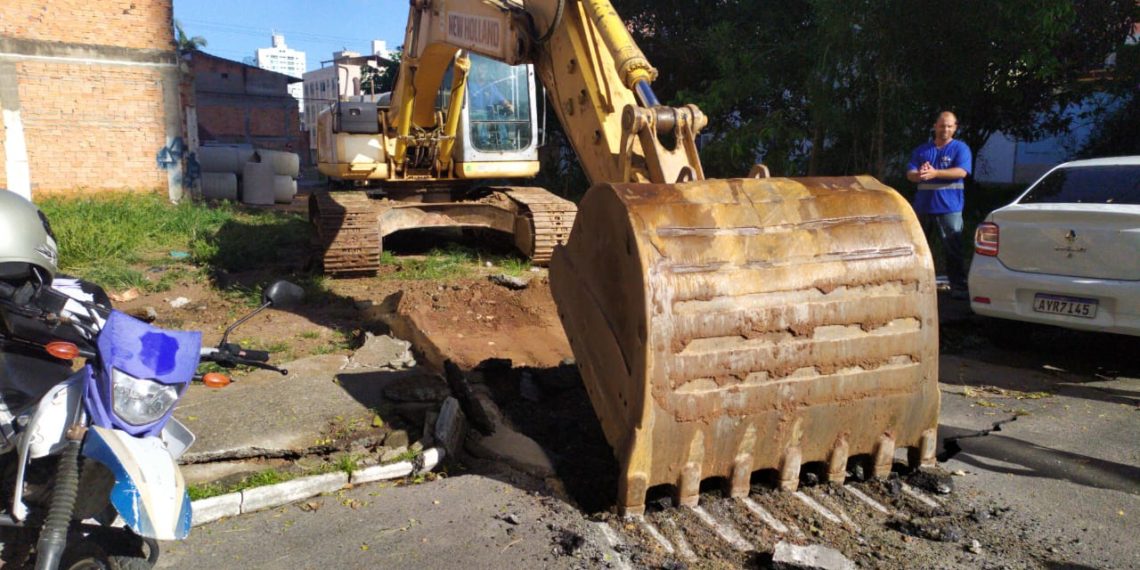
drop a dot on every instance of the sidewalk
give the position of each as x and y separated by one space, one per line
327 406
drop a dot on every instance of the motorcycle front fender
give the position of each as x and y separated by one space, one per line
149 492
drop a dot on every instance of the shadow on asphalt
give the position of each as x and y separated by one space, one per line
1065 361
1039 461
1055 565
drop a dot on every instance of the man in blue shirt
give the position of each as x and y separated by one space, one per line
939 167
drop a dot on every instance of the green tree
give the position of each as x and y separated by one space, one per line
848 86
186 43
381 78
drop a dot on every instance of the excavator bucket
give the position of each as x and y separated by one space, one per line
724 327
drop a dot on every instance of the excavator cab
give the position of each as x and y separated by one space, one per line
500 122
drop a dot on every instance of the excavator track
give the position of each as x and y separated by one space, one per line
347 232
724 327
544 222
350 225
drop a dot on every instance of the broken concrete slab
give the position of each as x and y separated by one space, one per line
810 557
461 388
397 438
515 283
266 414
450 425
382 352
215 471
418 389
512 448
392 453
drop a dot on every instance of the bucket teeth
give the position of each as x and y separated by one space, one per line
923 454
837 463
689 491
631 493
790 469
884 456
741 476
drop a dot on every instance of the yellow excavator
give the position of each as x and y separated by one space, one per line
427 155
721 327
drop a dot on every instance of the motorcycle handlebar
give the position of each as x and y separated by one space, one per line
230 355
255 355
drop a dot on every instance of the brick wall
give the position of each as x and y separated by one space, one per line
271 122
96 90
95 127
139 24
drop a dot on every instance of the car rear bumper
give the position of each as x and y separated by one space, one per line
1011 294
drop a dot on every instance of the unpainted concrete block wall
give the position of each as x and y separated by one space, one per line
241 104
96 94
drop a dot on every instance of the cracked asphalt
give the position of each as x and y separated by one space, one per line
1045 437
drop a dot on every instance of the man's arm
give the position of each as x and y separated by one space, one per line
913 167
963 163
952 173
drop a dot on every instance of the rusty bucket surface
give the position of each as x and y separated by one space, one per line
728 326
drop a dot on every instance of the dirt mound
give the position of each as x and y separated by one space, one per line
474 320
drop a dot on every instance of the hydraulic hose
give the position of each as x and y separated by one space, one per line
53 535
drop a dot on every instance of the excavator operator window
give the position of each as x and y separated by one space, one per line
498 104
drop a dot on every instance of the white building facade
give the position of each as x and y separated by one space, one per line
336 80
282 59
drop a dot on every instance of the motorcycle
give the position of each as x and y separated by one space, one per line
88 451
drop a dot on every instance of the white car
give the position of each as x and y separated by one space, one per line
1066 252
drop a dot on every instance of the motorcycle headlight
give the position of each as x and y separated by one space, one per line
140 402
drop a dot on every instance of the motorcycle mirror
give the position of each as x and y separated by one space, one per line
282 294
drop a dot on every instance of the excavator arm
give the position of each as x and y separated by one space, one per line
596 76
722 327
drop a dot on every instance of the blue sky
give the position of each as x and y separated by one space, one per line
234 29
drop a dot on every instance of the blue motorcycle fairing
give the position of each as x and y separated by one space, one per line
159 506
142 351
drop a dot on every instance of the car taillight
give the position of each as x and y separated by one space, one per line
986 239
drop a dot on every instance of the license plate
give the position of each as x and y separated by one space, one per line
1068 306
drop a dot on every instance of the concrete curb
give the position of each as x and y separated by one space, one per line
271 496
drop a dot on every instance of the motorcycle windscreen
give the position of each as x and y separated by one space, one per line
149 492
144 352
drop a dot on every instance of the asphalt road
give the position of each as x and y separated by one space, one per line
1067 468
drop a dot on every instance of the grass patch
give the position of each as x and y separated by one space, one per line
449 263
106 238
199 491
259 479
406 456
514 266
454 261
342 341
348 463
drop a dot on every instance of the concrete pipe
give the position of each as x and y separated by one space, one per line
219 185
284 163
284 188
219 159
257 184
